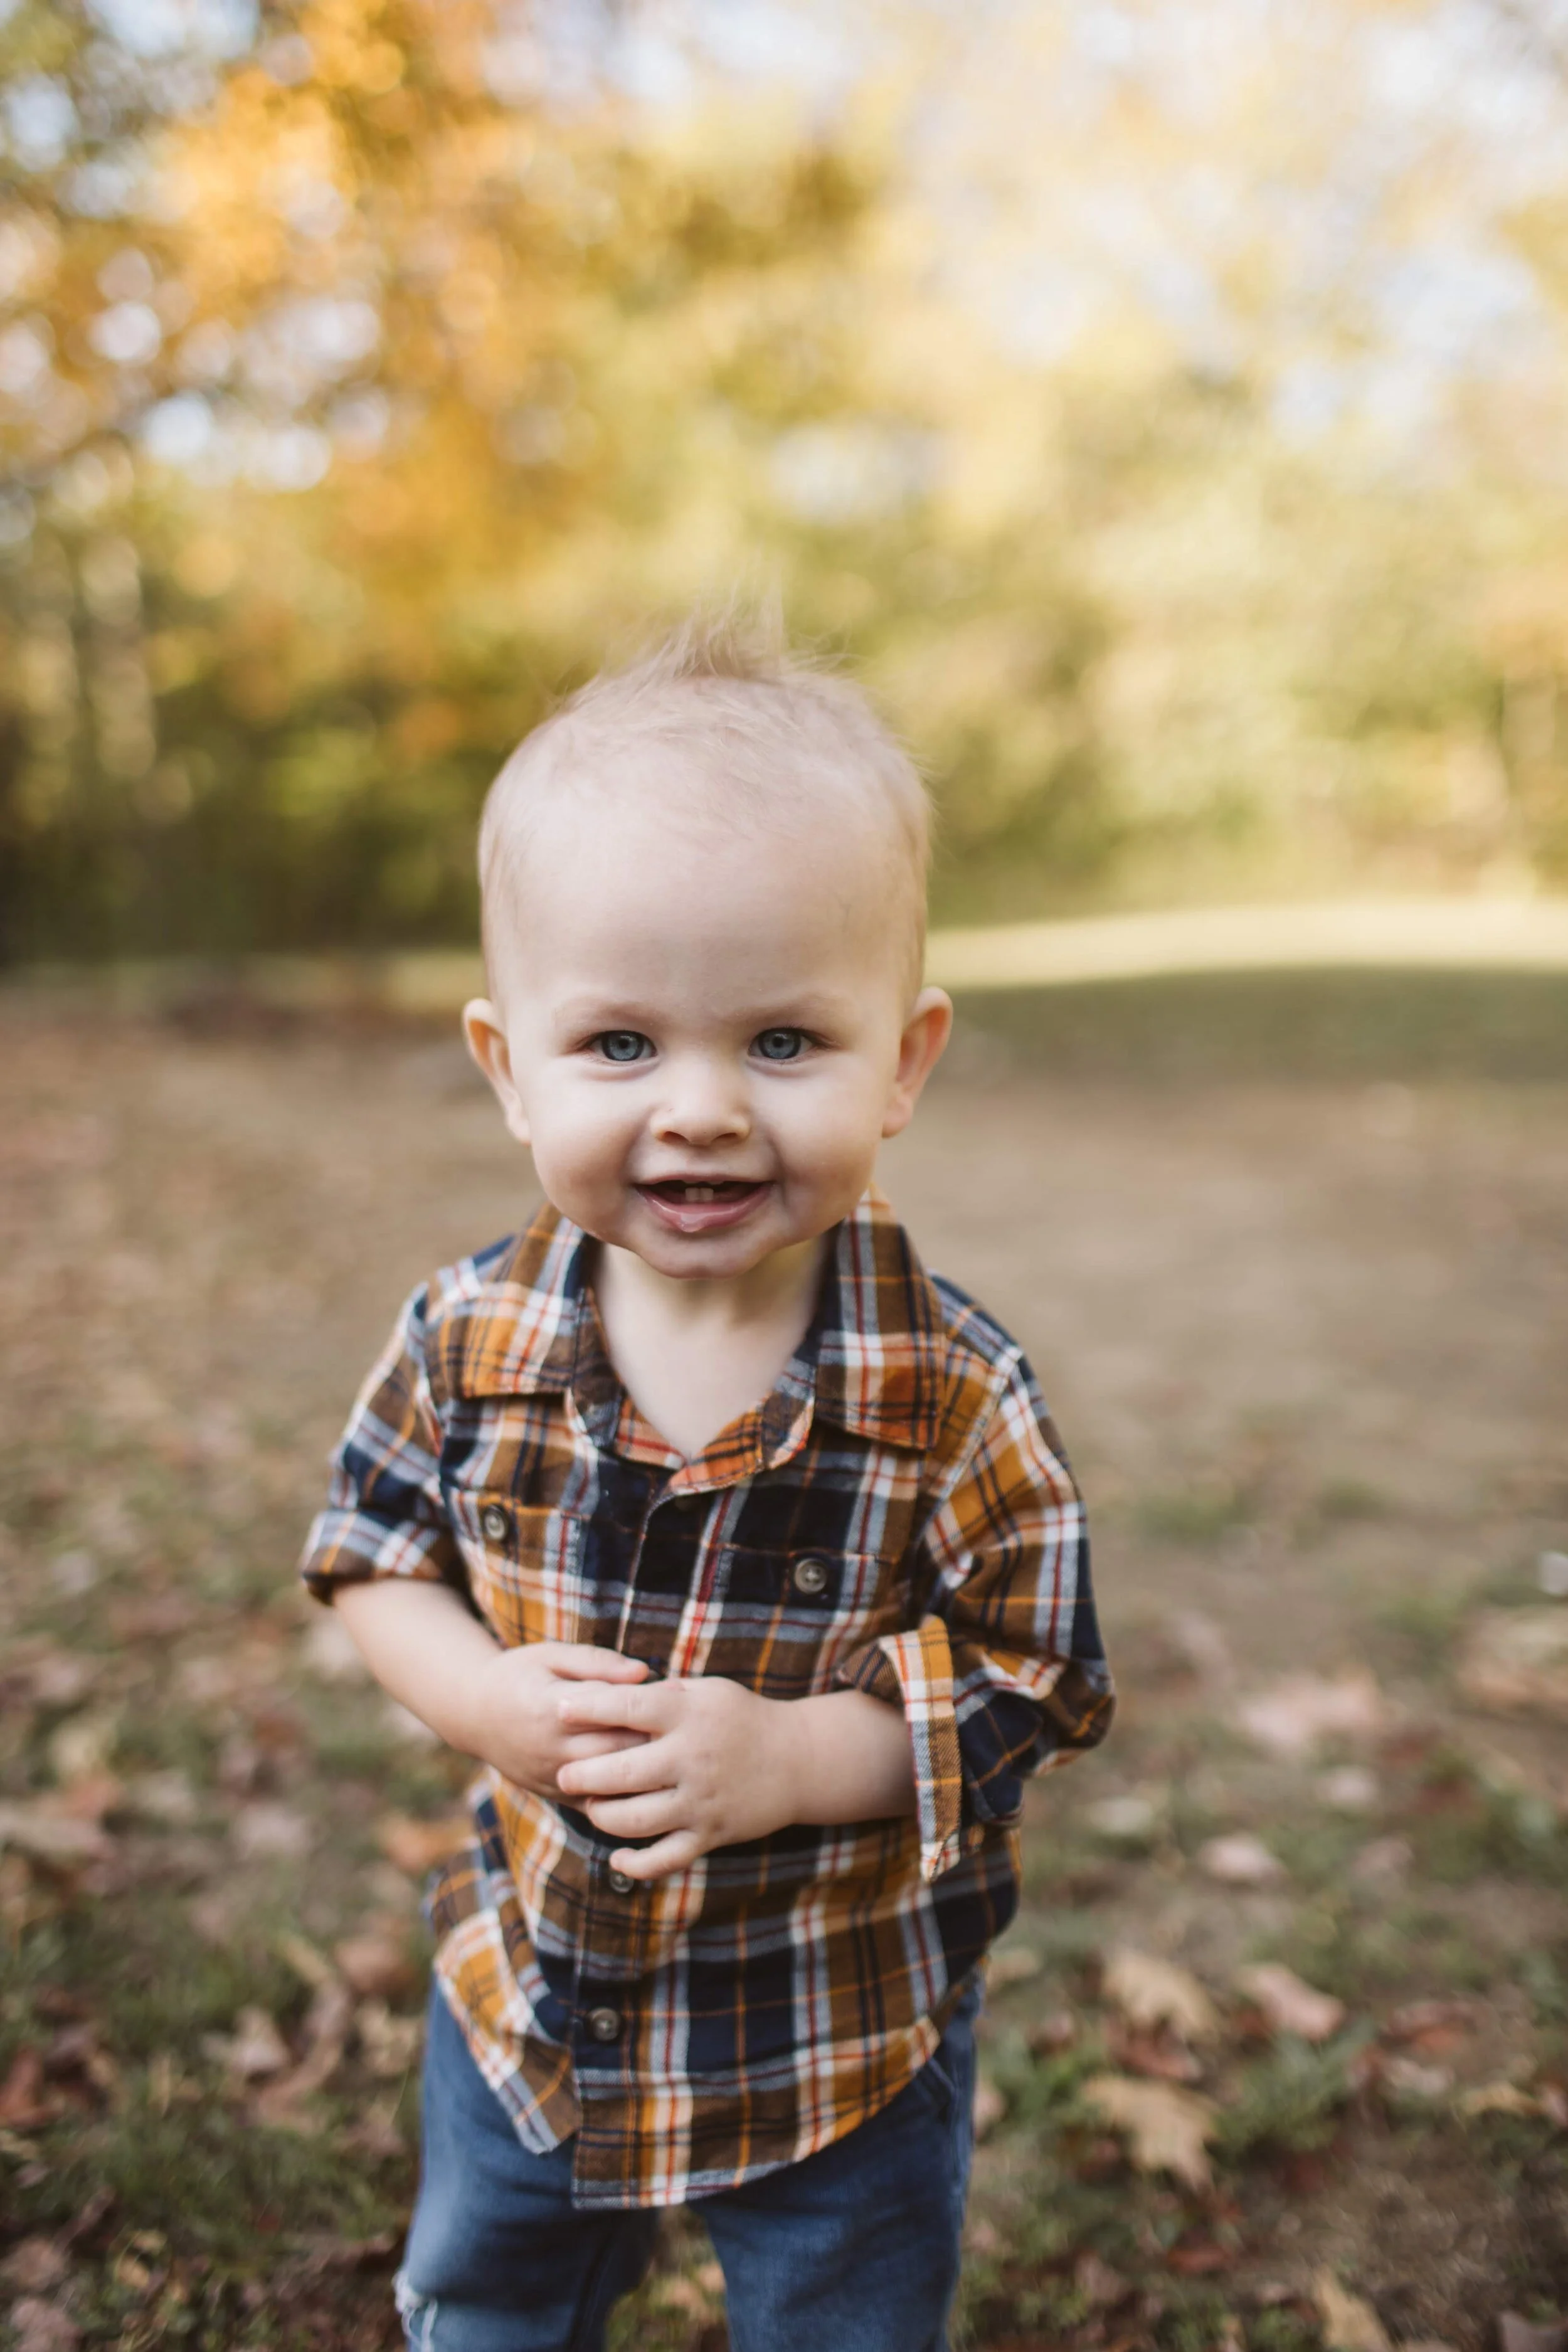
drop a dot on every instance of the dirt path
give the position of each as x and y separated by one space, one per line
1309 1344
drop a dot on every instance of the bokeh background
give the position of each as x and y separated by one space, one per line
1165 407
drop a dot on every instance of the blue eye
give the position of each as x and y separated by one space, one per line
624 1045
781 1044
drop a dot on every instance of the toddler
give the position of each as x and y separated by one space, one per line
738 1548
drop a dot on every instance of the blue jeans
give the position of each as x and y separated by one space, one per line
855 2248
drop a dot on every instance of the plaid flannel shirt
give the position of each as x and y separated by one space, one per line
895 1518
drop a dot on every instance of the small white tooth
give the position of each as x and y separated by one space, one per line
699 1192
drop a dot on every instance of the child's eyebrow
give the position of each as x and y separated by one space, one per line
811 1006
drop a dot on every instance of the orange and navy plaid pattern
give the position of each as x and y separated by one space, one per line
897 1517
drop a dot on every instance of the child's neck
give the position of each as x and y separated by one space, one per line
695 1355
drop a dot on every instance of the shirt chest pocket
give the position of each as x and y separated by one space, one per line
525 1564
790 1618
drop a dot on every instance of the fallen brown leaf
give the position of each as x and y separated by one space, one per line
1167 2129
1291 1717
1057 2029
1199 2258
1431 2024
327 2022
1158 2055
990 2106
25 2104
1013 1964
1240 1860
1290 2005
308 1962
1417 2081
375 1964
41 1828
391 2044
1350 2323
1384 1858
417 1846
34 2266
1151 1991
1498 2099
39 2326
1517 1660
1517 2334
265 1832
255 2048
1101 2287
374 2134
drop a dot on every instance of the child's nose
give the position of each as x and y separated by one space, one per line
702 1103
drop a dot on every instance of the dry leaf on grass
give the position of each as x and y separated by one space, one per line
990 2106
1431 2024
1011 1964
25 2104
1408 2076
1517 1660
391 2044
1517 2334
1240 1860
1349 1789
328 1650
1291 1717
264 1832
1151 1992
37 2326
1167 2129
327 2022
1101 2287
1499 2099
1127 1819
417 1846
1350 2323
46 1830
255 2048
1290 2005
1386 1859
375 1964
34 2266
374 2134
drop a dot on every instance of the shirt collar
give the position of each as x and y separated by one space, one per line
527 1325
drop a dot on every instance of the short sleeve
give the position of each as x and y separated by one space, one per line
384 1513
1006 1674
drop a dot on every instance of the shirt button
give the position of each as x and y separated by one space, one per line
496 1522
621 1883
604 2024
810 1575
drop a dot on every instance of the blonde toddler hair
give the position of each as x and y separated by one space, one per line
765 731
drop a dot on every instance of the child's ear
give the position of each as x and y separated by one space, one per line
925 1033
487 1040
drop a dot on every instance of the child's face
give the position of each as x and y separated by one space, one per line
705 1035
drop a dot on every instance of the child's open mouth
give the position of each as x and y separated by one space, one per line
701 1205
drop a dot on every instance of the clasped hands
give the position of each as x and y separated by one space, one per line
690 1763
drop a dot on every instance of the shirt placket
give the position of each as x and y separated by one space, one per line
619 1997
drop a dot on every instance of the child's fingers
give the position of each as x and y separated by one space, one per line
613 1706
581 1661
652 1815
630 1769
677 1852
585 1744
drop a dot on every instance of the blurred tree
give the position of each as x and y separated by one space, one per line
1145 402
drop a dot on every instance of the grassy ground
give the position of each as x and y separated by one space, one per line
1295 1278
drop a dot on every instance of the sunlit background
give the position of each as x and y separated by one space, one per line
1166 408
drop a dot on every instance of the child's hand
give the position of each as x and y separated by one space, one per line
517 1724
709 1765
